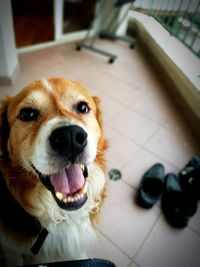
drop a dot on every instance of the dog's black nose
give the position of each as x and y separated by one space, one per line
68 141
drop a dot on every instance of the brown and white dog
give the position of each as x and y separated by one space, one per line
52 171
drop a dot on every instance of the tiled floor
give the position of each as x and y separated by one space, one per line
143 127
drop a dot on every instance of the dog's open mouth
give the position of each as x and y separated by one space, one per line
68 186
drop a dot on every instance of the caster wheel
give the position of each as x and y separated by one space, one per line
111 60
78 48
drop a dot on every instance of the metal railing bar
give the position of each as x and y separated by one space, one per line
194 17
185 18
171 19
181 17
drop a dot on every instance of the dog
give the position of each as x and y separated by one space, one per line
52 172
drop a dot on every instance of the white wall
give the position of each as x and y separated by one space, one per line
58 18
8 55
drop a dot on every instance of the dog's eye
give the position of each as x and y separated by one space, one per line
83 107
28 114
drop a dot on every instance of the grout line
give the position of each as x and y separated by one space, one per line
127 106
158 123
161 124
134 264
116 115
194 230
143 147
110 240
128 184
123 135
147 236
152 136
157 155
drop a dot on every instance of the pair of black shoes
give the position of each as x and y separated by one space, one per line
179 194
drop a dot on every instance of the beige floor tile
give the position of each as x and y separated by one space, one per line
120 150
109 44
135 126
177 149
156 106
145 78
134 265
110 108
127 94
104 249
167 246
123 221
194 222
160 107
133 66
175 122
116 88
134 170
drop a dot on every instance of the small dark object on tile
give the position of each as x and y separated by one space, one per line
114 174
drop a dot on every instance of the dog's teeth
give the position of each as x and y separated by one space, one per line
65 199
82 167
72 199
77 197
81 196
59 195
69 199
84 190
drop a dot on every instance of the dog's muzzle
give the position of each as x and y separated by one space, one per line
68 185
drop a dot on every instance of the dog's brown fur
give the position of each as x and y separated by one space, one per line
19 184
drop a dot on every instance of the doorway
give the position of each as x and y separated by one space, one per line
32 21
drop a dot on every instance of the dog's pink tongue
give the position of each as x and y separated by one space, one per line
68 180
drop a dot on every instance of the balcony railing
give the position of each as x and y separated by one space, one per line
180 17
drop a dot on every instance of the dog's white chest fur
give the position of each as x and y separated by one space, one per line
71 237
68 240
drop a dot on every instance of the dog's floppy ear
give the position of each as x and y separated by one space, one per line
96 100
103 144
4 127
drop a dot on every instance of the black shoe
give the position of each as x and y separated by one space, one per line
151 186
178 206
190 177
